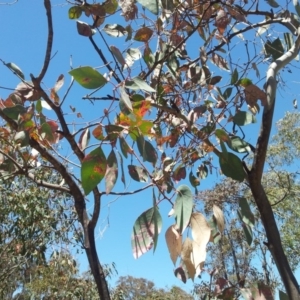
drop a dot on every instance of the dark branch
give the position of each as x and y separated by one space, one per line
47 4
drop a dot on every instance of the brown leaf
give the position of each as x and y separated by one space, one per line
254 93
59 83
219 285
143 34
84 29
219 216
236 14
219 61
27 92
198 256
84 139
180 274
129 9
200 229
174 241
222 21
186 254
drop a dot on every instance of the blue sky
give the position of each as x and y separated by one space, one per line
23 40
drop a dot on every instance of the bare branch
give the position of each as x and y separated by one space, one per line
47 4
129 193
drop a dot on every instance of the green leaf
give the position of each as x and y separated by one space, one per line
125 103
234 76
15 69
125 148
272 3
122 169
157 222
288 38
148 57
75 12
129 33
151 5
227 93
88 77
146 150
22 138
47 131
237 144
247 231
39 106
14 111
222 135
183 207
215 234
243 118
277 49
111 174
93 169
113 132
224 150
115 30
214 80
134 53
297 7
246 214
138 173
268 48
143 233
118 55
139 84
194 180
137 98
232 166
110 6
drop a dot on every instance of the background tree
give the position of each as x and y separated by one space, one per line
33 221
166 97
234 261
131 288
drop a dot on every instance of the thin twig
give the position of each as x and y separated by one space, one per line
129 193
104 60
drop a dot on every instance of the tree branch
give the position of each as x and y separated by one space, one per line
255 175
104 60
31 176
47 4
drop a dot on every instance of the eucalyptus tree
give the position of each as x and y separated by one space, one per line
171 110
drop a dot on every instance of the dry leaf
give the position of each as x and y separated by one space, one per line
186 254
198 256
174 243
222 21
219 216
254 93
200 229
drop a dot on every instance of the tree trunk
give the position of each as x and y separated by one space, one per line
96 267
274 241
